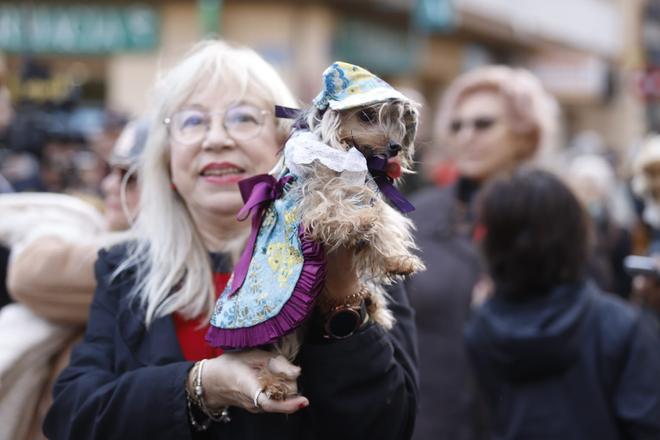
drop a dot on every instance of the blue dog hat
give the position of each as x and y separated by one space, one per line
346 86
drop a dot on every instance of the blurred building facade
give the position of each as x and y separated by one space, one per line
586 52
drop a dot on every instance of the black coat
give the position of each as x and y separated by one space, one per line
574 364
126 382
441 296
4 263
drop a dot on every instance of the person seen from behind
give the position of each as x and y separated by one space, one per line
557 358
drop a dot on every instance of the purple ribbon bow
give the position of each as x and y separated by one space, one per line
257 192
377 165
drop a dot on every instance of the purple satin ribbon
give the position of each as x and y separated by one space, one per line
377 165
286 112
257 192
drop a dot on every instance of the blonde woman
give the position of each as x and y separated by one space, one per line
144 369
493 120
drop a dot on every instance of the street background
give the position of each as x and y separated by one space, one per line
597 57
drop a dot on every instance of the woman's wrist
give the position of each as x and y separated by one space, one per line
198 395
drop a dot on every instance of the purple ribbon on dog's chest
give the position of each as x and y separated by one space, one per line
257 192
377 165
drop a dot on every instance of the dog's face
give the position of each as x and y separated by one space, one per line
387 128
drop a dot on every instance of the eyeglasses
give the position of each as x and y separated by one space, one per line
127 177
241 121
478 124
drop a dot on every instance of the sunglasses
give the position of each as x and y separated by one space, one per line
478 124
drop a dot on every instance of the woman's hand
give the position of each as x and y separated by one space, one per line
233 379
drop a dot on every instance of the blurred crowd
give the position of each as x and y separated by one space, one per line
532 320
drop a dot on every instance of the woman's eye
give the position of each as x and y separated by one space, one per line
366 116
242 116
192 121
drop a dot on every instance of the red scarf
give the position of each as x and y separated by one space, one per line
191 335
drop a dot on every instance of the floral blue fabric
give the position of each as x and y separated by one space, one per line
274 270
347 86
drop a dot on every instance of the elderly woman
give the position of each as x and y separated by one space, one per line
137 374
493 120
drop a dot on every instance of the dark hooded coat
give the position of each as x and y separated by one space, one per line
573 364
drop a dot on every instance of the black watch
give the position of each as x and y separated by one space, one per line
344 320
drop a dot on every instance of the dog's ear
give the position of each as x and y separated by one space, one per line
410 120
324 124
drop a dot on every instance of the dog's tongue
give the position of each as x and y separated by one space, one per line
393 168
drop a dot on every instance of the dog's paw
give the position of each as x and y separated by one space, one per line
277 391
276 386
405 265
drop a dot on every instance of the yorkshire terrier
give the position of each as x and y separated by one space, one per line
339 211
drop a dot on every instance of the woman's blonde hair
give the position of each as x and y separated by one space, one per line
532 110
172 265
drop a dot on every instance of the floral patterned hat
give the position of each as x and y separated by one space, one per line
347 86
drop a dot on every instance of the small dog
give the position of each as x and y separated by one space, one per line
339 211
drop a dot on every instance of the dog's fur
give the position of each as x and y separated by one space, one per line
340 214
337 213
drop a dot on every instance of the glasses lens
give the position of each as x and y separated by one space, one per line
189 126
244 121
483 123
455 126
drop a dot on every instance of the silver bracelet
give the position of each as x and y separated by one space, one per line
197 426
216 416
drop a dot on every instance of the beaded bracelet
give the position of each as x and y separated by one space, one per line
216 416
197 426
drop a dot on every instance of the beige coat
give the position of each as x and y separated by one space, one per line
54 241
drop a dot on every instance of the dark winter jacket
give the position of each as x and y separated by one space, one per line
441 296
126 382
573 364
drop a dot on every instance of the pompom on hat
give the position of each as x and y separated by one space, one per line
347 86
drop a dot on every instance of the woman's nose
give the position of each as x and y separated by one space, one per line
465 134
217 136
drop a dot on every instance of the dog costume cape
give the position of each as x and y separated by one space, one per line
280 272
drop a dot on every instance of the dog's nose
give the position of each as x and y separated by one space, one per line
393 149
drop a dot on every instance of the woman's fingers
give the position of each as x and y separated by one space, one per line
288 406
240 376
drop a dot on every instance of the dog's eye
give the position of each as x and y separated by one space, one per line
367 116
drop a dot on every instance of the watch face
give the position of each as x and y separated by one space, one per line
343 323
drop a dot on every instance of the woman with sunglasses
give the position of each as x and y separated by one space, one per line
492 120
144 369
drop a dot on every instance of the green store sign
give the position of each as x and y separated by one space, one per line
78 29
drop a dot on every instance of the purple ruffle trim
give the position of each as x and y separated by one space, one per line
294 312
